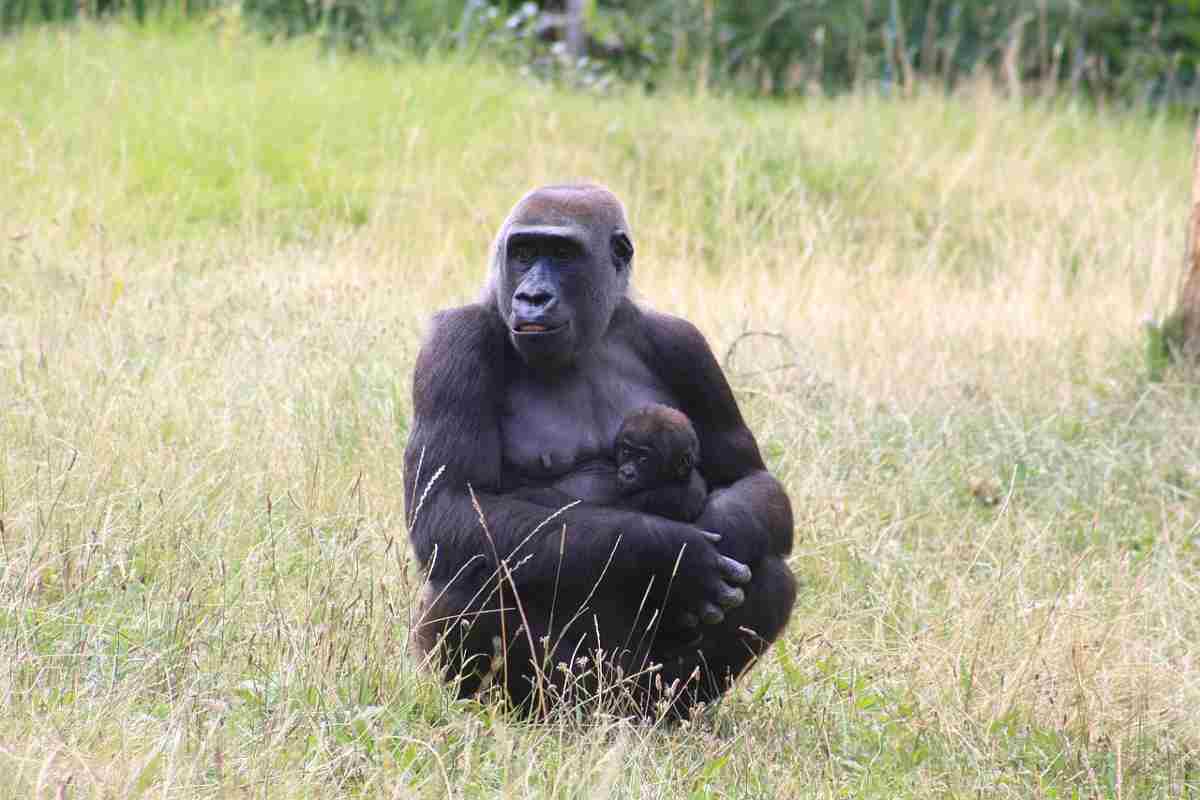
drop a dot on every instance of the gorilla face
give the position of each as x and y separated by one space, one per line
561 265
552 307
655 447
642 467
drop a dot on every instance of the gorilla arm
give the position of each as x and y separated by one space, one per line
682 501
458 387
747 505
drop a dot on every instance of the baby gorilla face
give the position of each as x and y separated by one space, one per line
656 446
640 467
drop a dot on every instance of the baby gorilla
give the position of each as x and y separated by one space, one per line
657 452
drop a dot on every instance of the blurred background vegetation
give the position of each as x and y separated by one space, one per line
1136 52
220 241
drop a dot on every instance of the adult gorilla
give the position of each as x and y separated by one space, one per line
518 397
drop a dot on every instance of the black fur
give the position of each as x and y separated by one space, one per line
658 460
517 400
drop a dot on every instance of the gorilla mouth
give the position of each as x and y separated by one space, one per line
536 328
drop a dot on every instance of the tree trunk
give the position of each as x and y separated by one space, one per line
576 36
1189 299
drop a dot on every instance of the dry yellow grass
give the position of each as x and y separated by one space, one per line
216 259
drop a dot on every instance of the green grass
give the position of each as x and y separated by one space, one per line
216 260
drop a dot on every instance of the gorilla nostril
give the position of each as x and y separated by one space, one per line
534 298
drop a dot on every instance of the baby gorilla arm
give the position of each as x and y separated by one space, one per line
679 501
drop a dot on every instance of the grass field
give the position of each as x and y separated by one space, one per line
216 260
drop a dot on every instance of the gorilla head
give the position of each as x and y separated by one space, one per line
655 447
561 264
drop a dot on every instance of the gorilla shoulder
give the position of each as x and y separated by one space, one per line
666 338
455 382
686 362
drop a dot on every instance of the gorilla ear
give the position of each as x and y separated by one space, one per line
622 249
685 465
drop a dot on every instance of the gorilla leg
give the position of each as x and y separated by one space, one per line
500 639
466 637
479 641
543 657
704 670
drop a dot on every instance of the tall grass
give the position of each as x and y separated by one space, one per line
216 259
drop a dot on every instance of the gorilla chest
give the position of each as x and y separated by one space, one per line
560 433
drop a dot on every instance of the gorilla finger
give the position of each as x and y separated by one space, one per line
690 644
680 648
735 571
732 597
711 615
712 536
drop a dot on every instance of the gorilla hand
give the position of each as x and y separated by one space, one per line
703 584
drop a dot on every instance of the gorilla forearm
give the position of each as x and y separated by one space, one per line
448 533
753 516
586 550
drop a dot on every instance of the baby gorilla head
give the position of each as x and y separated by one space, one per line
656 446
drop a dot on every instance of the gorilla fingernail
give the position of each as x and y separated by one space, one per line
736 570
733 598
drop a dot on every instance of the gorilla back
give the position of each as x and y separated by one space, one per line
525 390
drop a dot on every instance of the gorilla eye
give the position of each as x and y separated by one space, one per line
523 253
622 250
562 252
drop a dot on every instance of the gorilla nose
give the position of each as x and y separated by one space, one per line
536 298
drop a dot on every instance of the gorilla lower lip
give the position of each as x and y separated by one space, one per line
534 327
